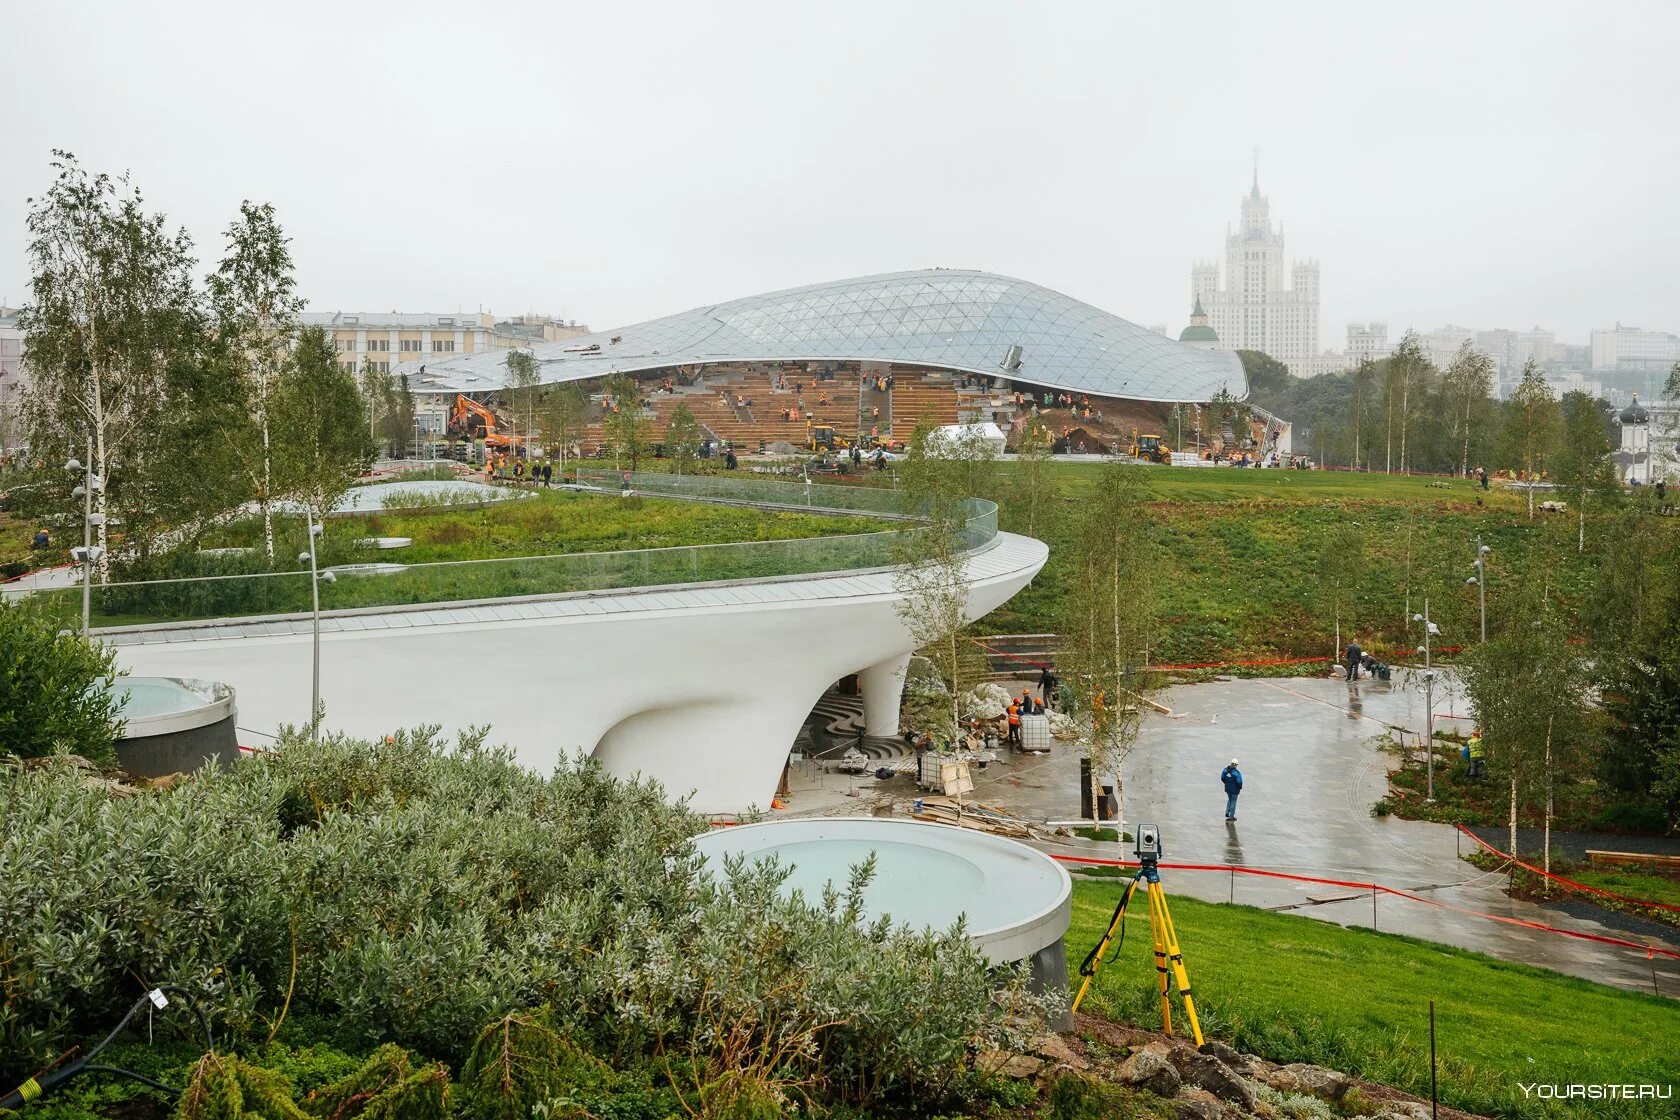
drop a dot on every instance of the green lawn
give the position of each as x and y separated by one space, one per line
1634 884
549 522
1294 989
1240 573
546 543
1228 484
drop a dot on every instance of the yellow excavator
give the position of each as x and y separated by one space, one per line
823 437
1150 448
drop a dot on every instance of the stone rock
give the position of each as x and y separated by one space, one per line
1054 1048
1149 1069
1237 1060
1018 1066
984 701
1314 1080
1204 1071
1198 1104
1402 1110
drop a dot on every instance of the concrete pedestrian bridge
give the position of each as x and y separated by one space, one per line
701 683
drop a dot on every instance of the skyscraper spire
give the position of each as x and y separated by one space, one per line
1254 191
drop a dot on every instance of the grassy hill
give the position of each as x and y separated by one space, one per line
1240 573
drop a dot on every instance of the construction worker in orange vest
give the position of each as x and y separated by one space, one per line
1014 722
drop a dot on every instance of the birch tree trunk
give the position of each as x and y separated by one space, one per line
1513 813
1405 397
267 497
101 473
1464 464
1546 843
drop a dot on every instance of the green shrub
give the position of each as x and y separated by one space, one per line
386 1087
224 1087
1639 818
1073 1096
410 892
520 1061
57 692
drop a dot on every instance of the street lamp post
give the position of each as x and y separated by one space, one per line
1429 630
1429 730
1480 580
316 576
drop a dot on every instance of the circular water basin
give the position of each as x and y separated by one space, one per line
383 495
367 569
1017 901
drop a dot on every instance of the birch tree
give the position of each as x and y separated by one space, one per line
563 408
1341 564
1531 426
1527 685
1403 388
682 439
931 579
1584 467
110 290
1466 385
627 427
253 296
1360 404
376 396
1107 628
1033 493
315 402
523 377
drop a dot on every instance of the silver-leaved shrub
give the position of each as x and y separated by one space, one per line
416 890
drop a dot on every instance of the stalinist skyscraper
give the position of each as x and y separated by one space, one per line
1254 310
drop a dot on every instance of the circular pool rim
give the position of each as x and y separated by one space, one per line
217 705
1014 940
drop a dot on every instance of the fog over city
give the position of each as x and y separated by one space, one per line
1495 165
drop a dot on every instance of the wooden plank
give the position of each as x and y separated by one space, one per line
1647 861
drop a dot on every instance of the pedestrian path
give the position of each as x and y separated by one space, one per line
1312 768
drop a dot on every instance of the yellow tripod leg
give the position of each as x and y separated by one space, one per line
1175 957
1102 946
1157 934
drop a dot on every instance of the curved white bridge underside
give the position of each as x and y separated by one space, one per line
701 687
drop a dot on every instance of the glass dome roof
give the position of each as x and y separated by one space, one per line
963 321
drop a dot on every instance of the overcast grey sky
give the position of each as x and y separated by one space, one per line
1485 164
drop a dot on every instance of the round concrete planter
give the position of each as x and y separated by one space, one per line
175 725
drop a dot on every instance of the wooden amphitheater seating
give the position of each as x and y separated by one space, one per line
916 398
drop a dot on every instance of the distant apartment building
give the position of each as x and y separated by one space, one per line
398 343
1632 348
1256 309
1366 342
1630 360
388 341
1540 345
1440 344
12 380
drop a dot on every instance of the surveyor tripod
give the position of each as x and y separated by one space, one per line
1168 958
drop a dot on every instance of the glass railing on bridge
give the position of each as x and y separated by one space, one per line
195 587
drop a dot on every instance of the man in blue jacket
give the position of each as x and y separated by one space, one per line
1232 778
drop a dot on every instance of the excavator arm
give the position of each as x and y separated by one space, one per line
466 410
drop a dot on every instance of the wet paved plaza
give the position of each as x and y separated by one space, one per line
1310 757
